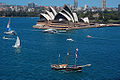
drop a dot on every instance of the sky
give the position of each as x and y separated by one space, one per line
81 3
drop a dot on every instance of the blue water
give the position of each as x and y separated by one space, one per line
39 50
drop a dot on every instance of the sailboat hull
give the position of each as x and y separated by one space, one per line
68 69
10 32
16 46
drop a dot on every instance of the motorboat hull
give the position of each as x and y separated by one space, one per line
51 31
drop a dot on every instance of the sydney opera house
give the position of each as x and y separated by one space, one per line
65 19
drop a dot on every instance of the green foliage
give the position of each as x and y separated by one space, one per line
104 17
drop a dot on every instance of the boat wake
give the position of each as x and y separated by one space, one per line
18 50
88 36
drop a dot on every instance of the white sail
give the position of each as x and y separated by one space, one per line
17 44
9 31
8 25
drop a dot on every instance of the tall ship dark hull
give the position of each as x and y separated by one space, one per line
67 68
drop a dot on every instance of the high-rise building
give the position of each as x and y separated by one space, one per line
85 7
119 7
31 5
75 5
103 4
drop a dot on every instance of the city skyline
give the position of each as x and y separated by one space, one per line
104 4
81 3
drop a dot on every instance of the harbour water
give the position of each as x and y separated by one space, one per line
39 50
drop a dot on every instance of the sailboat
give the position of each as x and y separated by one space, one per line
66 67
17 43
9 31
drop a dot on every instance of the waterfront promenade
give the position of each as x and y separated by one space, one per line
77 27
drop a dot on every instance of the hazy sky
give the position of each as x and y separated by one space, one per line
81 3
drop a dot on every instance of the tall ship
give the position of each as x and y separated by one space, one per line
67 67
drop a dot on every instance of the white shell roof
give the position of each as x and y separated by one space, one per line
72 19
53 10
86 20
65 12
46 16
50 14
67 9
66 16
75 17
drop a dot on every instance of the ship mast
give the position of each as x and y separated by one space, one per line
76 58
59 59
67 56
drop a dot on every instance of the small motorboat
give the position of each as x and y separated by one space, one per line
5 37
88 36
70 39
52 31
